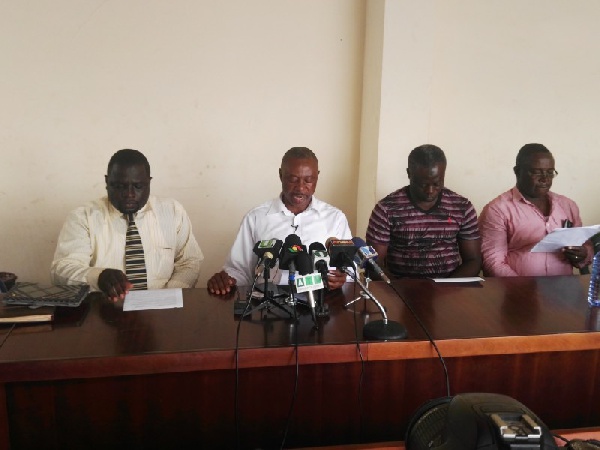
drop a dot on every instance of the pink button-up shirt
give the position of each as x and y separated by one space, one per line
510 226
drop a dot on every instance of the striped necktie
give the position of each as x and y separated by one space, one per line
135 266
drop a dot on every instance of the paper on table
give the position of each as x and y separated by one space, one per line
564 237
282 276
458 280
153 299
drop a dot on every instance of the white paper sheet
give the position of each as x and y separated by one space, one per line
281 278
153 299
458 280
565 237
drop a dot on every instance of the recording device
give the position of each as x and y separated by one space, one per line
240 307
320 260
366 257
477 421
287 259
267 252
341 252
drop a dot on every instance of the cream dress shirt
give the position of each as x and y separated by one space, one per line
93 239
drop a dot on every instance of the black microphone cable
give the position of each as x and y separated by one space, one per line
10 330
354 276
236 358
297 368
431 340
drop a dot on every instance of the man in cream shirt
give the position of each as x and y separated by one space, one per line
91 246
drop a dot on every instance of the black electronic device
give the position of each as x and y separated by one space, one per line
473 421
341 252
240 307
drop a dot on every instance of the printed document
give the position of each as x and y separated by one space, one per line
565 237
458 280
153 299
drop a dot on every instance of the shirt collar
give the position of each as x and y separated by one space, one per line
115 212
518 197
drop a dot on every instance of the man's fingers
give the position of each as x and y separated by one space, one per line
220 283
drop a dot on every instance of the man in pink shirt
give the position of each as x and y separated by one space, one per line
512 223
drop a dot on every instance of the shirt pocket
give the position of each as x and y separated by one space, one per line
164 258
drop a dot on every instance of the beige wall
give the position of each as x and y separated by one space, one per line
213 92
480 79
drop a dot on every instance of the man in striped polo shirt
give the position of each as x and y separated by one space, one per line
424 229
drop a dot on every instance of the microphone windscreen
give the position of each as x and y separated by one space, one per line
276 251
316 246
292 239
303 263
291 248
268 245
277 246
358 242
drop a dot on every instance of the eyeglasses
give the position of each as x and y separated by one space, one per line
539 173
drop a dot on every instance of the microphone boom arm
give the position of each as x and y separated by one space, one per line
368 293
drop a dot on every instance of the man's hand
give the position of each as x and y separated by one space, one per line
575 255
114 284
220 283
336 279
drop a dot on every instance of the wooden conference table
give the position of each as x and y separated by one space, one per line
166 378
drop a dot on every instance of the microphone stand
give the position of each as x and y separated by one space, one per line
381 330
268 298
292 283
322 309
362 296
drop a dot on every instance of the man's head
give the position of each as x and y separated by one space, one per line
426 170
299 174
535 170
128 180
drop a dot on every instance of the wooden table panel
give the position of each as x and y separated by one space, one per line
166 378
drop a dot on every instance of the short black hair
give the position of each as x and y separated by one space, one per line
298 153
128 157
527 151
426 155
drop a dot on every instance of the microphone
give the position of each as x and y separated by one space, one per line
267 252
265 262
304 264
341 252
366 256
291 248
320 260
